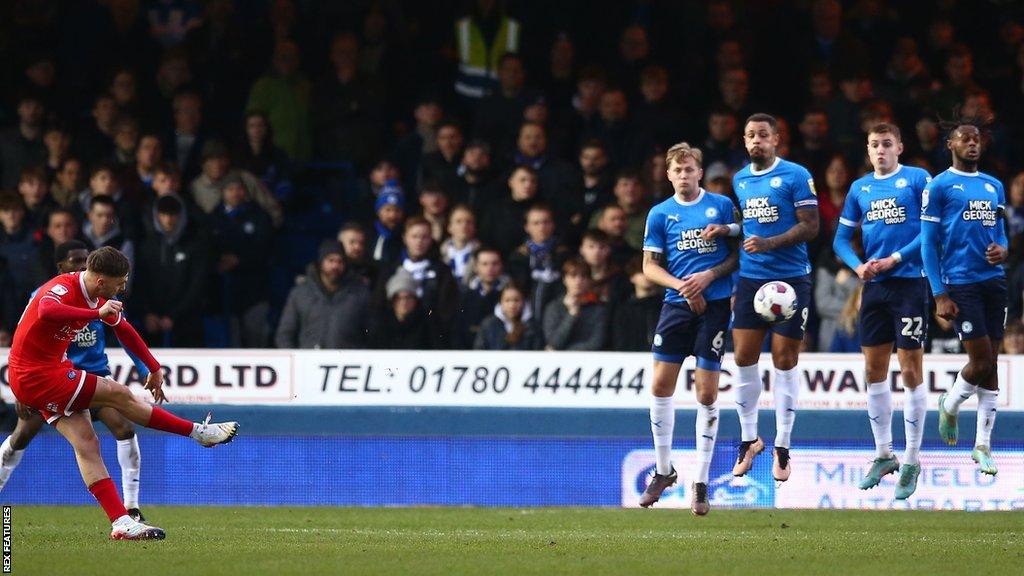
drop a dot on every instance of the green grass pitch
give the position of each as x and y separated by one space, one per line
403 541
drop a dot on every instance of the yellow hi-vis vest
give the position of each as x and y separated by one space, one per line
478 62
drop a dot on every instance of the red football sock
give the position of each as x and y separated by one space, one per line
163 420
106 494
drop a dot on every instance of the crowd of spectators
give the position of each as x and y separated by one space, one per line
454 175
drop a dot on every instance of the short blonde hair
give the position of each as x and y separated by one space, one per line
682 151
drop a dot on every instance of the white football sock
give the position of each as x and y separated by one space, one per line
915 409
962 391
786 390
986 416
748 390
130 459
707 431
880 416
663 420
9 463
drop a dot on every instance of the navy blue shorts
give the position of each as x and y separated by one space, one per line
982 307
744 315
681 333
895 310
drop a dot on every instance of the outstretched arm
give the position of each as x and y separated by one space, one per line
133 343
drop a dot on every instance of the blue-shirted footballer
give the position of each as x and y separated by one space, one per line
695 269
964 245
87 351
895 303
780 215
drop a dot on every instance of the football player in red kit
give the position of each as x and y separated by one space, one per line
42 377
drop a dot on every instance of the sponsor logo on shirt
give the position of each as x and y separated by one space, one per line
86 338
691 240
761 210
982 210
887 211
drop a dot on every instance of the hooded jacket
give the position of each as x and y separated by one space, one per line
314 317
172 269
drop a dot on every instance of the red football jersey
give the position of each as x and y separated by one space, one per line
39 342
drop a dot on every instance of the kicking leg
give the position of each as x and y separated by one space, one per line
128 456
748 343
13 448
113 395
663 418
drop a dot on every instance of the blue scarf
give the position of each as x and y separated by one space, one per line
383 231
540 254
535 162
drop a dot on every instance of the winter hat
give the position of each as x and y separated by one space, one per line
391 194
402 281
329 247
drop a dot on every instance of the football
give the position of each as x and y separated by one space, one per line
775 301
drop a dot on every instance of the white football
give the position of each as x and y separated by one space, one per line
775 301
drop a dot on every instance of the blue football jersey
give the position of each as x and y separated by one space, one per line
769 200
888 209
967 209
673 229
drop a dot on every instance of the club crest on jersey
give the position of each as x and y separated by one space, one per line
901 183
711 212
990 187
59 290
71 374
775 182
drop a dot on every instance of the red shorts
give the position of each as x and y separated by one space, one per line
57 391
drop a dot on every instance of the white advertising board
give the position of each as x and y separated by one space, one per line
500 379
